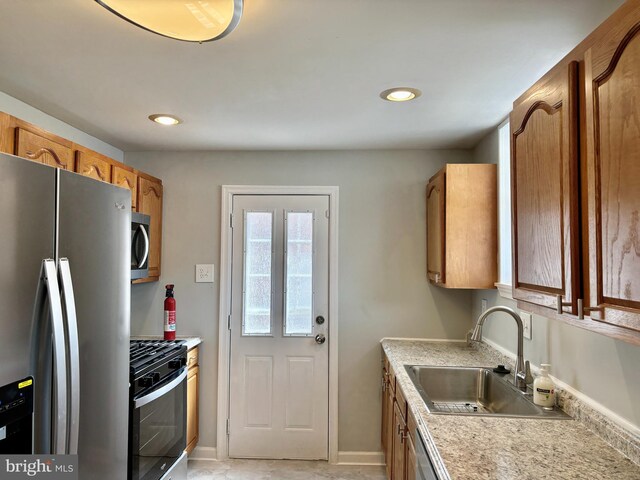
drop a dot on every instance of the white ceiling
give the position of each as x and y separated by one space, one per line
296 74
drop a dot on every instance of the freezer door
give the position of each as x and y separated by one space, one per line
94 231
27 212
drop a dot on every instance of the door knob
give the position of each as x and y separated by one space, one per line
320 339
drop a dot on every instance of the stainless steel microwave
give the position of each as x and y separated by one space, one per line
140 245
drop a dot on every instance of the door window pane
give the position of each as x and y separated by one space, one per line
298 274
258 249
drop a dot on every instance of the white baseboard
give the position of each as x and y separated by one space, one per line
204 453
360 458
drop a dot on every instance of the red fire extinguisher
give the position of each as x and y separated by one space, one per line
169 314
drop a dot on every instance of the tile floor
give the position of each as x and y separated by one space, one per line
280 470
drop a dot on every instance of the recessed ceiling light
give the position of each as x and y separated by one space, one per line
400 94
165 119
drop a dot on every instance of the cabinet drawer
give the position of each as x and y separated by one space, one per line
192 357
401 401
412 425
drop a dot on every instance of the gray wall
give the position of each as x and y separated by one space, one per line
383 286
600 367
21 110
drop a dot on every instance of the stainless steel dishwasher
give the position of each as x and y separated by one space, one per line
424 466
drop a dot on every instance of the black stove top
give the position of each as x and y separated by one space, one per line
151 361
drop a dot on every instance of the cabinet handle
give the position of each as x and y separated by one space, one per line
582 309
561 304
43 151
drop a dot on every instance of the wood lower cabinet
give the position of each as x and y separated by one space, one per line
399 429
150 203
462 226
576 211
193 400
545 196
399 441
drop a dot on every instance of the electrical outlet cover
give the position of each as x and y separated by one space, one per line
204 273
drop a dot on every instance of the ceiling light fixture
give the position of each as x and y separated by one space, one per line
194 21
400 94
165 119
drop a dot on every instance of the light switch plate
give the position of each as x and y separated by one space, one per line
526 323
204 273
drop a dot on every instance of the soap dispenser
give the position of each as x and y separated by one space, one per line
544 391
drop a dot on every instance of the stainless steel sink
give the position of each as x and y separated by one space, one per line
475 391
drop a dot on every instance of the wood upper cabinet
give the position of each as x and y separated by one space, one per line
44 148
436 229
462 226
545 195
150 203
126 179
612 111
193 394
93 165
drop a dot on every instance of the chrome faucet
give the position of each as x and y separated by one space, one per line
522 374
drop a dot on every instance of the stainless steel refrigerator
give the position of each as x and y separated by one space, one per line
64 310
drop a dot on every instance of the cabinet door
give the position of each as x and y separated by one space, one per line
385 411
150 203
93 166
400 428
544 189
126 179
612 76
41 149
388 453
192 408
436 228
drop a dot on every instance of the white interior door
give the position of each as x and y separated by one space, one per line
279 369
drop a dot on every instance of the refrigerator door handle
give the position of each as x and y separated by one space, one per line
146 245
69 307
59 405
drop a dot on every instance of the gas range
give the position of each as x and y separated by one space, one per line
157 411
153 360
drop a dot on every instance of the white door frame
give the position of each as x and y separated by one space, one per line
228 191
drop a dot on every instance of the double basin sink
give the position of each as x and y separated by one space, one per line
475 391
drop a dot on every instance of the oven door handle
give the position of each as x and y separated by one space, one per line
155 394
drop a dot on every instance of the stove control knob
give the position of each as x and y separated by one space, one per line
156 378
146 381
177 363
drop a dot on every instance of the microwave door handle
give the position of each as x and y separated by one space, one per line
69 303
145 254
58 426
155 394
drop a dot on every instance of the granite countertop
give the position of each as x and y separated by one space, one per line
499 448
190 342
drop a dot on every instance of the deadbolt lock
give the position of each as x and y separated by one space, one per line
319 319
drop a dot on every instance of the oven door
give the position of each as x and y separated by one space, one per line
139 245
158 428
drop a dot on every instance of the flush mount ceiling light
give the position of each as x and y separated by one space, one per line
400 94
165 119
191 21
